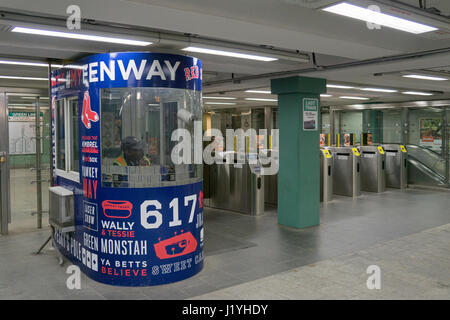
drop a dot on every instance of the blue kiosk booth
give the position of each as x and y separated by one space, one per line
120 207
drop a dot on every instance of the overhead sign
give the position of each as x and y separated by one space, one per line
129 69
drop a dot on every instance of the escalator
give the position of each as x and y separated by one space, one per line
425 167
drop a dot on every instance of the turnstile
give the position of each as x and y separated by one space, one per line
373 169
326 175
346 174
236 186
396 166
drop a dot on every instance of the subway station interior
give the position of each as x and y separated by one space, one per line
333 183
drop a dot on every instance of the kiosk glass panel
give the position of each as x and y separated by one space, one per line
75 156
146 120
60 135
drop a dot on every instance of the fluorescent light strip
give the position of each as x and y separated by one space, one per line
220 98
326 95
23 78
222 103
422 77
259 99
378 90
338 86
29 107
228 54
353 98
21 94
356 12
26 63
417 93
34 98
258 91
79 36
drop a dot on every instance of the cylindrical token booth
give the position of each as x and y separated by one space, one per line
132 212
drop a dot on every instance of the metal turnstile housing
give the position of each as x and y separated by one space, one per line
372 168
326 175
396 166
346 174
236 186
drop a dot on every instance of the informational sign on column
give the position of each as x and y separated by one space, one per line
310 114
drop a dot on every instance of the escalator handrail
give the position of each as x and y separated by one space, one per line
437 174
434 153
435 159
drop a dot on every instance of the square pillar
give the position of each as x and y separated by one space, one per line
299 147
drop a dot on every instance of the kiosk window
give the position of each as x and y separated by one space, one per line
137 127
60 135
74 157
67 145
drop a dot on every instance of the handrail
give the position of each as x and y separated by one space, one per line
425 149
428 157
437 175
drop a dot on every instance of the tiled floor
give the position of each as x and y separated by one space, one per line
251 251
416 266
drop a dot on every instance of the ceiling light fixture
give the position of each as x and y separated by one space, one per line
15 106
23 78
259 91
423 77
223 103
34 98
378 90
338 86
28 63
260 99
353 98
417 93
220 98
360 13
79 36
228 54
326 95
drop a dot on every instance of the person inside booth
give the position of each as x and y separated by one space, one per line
132 153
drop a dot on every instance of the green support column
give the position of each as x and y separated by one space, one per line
299 158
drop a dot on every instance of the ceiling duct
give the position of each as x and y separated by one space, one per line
167 39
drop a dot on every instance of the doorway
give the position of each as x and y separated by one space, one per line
24 194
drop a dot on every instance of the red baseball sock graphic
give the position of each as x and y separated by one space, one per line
87 114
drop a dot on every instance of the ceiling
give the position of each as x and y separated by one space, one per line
342 50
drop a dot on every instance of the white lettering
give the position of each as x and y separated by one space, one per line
172 69
132 67
111 72
156 70
93 72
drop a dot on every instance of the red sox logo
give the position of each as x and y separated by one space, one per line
87 115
